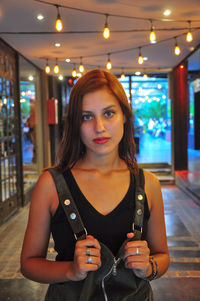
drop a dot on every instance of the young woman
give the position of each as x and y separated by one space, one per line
97 159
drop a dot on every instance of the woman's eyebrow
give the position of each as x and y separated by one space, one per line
104 109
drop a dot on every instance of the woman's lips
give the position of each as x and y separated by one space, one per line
101 140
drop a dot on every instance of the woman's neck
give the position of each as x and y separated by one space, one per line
103 164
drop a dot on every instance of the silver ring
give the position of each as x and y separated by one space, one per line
89 259
137 251
88 251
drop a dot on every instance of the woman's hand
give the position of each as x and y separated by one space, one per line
136 257
87 257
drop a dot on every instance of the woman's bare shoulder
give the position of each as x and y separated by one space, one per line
152 188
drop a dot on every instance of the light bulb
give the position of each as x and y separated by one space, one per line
56 68
81 68
189 37
140 60
123 76
74 72
47 68
59 25
108 65
177 50
106 32
145 76
152 36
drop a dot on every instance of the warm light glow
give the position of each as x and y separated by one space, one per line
106 32
57 44
167 12
81 68
137 73
47 68
74 72
60 77
152 36
189 37
177 50
145 76
108 65
140 60
123 76
59 25
56 68
67 60
181 66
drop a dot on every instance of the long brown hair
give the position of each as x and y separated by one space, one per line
71 148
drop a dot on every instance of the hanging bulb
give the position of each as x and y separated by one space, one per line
74 72
81 67
108 65
140 58
122 74
106 31
189 36
47 68
177 49
56 67
59 25
145 76
152 36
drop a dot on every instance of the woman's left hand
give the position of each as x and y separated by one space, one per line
136 257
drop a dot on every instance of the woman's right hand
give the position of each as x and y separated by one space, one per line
87 257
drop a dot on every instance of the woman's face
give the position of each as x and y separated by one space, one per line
102 124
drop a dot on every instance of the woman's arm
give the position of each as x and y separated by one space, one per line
137 253
156 236
34 264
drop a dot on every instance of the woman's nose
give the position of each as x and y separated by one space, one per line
99 125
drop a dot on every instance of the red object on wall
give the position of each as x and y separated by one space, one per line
52 107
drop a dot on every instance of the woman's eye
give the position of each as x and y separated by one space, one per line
86 117
109 114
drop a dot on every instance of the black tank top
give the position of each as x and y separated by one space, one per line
110 229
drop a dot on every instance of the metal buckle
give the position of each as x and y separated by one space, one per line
76 235
133 226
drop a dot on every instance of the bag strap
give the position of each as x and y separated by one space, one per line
68 204
73 216
139 205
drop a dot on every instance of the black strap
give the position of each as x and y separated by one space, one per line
68 204
139 205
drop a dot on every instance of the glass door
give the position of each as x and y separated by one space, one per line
151 106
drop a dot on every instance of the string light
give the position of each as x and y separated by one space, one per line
47 68
140 58
108 65
74 72
177 49
122 74
56 67
106 31
59 25
81 67
152 36
189 36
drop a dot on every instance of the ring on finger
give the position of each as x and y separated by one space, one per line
137 251
88 251
89 259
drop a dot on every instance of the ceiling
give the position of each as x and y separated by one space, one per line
82 35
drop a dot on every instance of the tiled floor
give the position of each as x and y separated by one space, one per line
181 282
